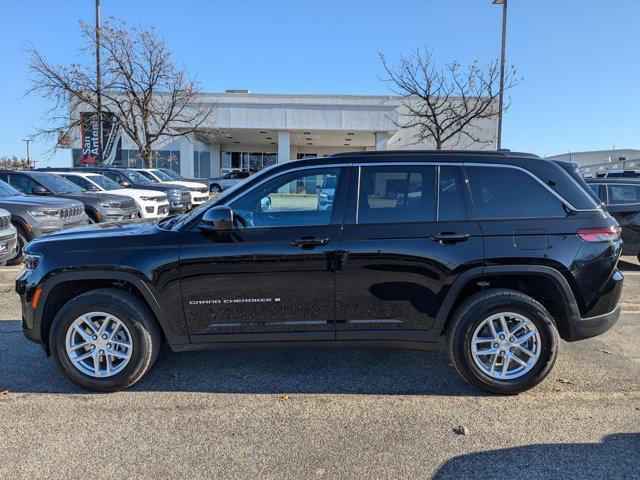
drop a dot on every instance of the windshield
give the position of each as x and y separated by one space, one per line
7 190
104 182
172 174
58 184
162 175
135 177
148 176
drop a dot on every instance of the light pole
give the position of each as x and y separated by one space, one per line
504 41
98 83
28 155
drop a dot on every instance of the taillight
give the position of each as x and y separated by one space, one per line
600 234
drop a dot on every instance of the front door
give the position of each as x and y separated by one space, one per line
272 277
407 236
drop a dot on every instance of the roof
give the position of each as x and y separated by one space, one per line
438 153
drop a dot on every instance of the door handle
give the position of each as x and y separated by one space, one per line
449 237
309 242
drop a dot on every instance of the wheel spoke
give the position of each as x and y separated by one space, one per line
527 352
505 366
109 366
82 333
76 347
82 356
493 365
121 343
525 337
493 329
117 354
503 324
520 326
487 351
96 364
520 361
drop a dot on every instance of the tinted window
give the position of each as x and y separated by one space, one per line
510 193
104 182
80 181
600 191
293 199
451 196
58 184
148 176
23 183
135 177
622 194
397 194
116 177
7 190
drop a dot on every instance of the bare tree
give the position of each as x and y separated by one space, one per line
15 163
144 92
445 105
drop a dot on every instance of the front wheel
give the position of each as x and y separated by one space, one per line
104 340
502 341
216 189
22 241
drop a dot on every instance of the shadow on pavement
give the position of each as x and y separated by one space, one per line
24 368
628 266
616 457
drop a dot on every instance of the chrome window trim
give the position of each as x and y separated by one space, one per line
435 163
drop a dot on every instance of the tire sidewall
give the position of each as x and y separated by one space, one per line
476 315
57 343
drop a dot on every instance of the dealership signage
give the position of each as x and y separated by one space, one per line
111 138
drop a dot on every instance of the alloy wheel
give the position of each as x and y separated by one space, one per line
506 345
99 344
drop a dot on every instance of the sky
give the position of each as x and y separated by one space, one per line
580 59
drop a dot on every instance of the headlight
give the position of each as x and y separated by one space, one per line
148 199
109 204
44 213
31 261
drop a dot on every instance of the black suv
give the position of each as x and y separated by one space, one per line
621 197
500 253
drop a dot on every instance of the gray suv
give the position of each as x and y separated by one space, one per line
35 216
98 206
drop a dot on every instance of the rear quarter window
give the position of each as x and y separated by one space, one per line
499 192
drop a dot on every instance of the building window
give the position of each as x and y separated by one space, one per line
247 161
201 164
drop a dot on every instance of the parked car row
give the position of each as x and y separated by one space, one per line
38 202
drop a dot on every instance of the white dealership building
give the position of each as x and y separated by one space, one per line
249 131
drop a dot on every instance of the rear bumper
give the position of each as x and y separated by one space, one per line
581 328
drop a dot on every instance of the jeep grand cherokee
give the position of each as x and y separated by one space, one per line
499 254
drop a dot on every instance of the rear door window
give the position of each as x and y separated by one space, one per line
390 194
500 192
624 194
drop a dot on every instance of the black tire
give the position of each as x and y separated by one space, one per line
215 188
137 317
478 307
19 258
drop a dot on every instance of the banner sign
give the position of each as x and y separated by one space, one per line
111 138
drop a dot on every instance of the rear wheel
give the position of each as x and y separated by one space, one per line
104 340
216 188
502 341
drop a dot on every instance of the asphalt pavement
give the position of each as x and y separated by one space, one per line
328 413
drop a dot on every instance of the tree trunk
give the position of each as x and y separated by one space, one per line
146 153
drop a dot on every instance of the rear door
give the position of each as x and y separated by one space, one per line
408 234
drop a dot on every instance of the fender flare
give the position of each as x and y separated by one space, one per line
478 273
143 287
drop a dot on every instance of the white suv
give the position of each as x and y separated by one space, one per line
199 191
151 203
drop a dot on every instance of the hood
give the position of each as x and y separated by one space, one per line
94 197
159 187
182 183
113 235
137 192
38 201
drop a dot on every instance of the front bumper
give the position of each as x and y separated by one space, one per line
581 328
180 206
117 214
8 247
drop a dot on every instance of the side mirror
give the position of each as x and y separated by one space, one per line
218 218
93 188
39 190
126 184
